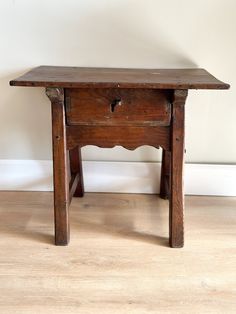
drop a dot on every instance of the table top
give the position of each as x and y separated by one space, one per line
81 77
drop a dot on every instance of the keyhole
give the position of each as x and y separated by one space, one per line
114 103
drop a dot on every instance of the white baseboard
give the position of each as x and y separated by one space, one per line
119 177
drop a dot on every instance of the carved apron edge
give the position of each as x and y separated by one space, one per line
55 94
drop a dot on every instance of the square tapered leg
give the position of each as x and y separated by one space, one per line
76 169
60 170
165 175
177 164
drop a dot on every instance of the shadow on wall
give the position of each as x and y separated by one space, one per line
109 36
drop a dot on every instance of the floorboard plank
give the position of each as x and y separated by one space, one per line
118 260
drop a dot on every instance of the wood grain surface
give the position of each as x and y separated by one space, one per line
129 137
118 260
103 107
56 76
60 166
117 107
177 169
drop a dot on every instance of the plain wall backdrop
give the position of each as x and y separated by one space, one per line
118 33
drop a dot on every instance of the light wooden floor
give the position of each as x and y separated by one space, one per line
118 260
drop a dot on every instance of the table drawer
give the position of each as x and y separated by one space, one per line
117 107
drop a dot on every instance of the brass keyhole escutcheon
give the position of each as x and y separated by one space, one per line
114 103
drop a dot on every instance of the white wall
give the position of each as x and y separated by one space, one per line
121 33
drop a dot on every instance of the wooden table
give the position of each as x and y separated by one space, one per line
108 107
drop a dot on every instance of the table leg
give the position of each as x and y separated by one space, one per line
60 170
76 168
177 163
165 174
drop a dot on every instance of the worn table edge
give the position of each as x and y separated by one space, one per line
27 83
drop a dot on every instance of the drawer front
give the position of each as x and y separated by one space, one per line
117 107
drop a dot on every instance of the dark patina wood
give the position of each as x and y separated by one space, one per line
176 163
60 171
66 77
129 137
77 170
165 175
109 107
118 107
